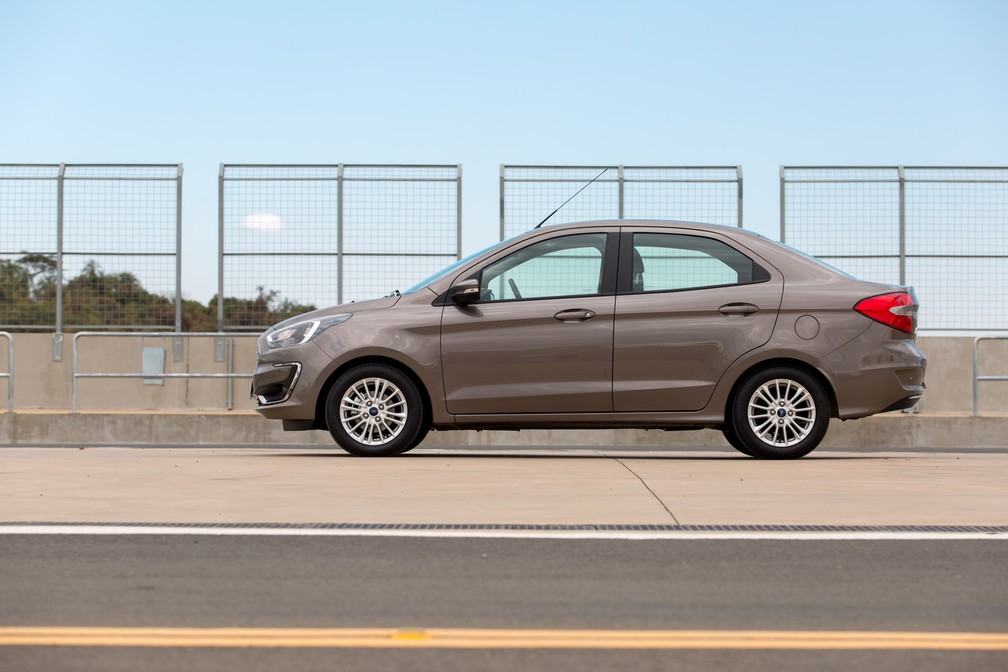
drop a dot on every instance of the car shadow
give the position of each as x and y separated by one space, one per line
584 454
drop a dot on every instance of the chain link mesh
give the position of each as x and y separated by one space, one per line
703 194
28 222
282 250
120 246
953 234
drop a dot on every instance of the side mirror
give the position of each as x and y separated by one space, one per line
465 291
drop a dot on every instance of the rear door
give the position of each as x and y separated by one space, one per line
689 303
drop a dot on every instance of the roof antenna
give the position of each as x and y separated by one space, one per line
571 198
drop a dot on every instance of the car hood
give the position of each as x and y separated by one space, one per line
354 307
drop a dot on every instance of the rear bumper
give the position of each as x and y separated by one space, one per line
875 373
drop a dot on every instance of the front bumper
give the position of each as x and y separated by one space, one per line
273 383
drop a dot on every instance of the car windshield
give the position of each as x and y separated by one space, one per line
448 270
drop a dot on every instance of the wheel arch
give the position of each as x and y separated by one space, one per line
320 402
788 362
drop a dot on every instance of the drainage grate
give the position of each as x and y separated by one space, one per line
469 527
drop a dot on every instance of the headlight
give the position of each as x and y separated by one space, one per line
302 332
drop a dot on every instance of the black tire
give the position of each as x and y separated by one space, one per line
733 440
790 414
382 411
421 435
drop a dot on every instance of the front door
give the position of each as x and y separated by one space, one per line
540 339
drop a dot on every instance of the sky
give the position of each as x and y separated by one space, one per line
636 83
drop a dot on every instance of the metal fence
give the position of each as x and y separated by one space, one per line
179 343
295 236
977 377
940 229
8 375
90 246
710 194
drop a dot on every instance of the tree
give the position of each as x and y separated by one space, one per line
97 298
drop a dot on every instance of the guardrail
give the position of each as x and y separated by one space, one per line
977 378
224 346
9 375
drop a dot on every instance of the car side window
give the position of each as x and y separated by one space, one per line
557 267
665 262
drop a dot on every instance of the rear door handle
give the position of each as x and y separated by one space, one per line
738 309
575 315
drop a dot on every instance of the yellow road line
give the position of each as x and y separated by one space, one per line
459 638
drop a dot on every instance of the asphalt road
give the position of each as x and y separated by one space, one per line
211 581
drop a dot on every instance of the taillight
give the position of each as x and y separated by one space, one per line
896 310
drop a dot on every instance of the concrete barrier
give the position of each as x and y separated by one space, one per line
189 411
246 428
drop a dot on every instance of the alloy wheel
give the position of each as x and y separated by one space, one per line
781 412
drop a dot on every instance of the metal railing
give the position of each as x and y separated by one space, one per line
710 194
223 353
977 378
9 374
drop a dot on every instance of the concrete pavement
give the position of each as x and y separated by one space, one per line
456 485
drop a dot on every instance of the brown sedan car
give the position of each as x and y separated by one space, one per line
606 324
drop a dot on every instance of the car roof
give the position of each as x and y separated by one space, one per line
660 223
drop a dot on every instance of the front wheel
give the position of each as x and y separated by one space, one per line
375 410
780 413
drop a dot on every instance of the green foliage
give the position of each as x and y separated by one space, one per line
260 311
96 298
28 290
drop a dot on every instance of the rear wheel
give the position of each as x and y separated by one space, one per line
733 440
779 413
375 410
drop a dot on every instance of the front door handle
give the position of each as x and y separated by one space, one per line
575 315
738 309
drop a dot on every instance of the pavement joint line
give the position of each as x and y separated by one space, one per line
502 532
653 493
484 638
705 527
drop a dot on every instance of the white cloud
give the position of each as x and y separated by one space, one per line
263 221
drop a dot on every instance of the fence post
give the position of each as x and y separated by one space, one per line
220 250
339 234
902 225
458 215
502 202
178 255
739 173
57 344
620 169
782 204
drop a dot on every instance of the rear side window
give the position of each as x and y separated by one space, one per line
665 262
